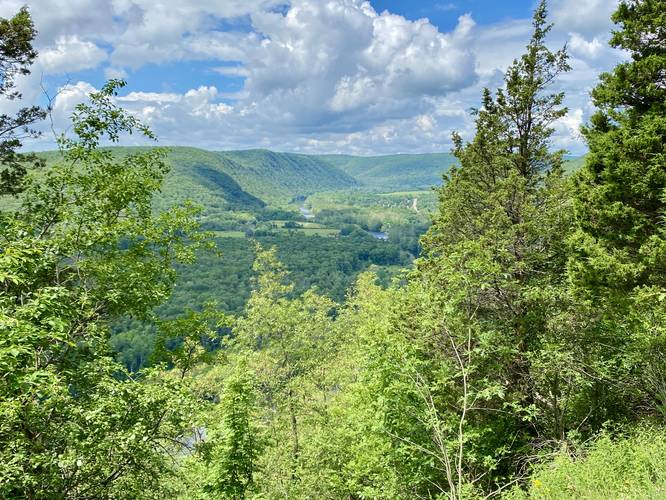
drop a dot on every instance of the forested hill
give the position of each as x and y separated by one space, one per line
249 180
239 180
402 171
271 176
262 176
200 176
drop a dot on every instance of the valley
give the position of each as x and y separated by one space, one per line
330 217
217 318
327 219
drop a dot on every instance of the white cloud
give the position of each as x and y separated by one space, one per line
588 17
70 95
71 54
342 64
578 46
66 98
596 53
154 97
114 73
327 75
156 31
239 71
497 45
179 112
445 7
425 122
568 129
352 93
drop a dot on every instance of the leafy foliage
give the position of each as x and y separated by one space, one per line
632 467
237 448
83 248
225 278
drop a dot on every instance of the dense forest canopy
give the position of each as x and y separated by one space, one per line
330 326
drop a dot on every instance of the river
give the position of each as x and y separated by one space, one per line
379 235
306 212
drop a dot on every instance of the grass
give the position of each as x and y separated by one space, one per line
632 467
317 231
229 234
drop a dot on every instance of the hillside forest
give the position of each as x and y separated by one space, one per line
485 323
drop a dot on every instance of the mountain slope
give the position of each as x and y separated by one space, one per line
400 172
245 180
198 176
271 175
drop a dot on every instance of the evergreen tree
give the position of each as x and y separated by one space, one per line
492 268
620 198
618 252
16 56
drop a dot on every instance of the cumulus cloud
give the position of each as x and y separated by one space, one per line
167 30
497 45
583 26
69 96
236 71
65 99
588 17
567 130
307 75
198 102
114 73
56 18
70 54
172 113
578 46
342 64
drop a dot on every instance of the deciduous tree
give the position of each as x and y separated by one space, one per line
84 248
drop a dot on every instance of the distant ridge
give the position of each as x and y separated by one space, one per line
270 175
249 180
400 171
246 180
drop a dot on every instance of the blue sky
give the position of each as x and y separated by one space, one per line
305 75
444 14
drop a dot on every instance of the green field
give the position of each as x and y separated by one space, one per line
313 231
409 194
229 234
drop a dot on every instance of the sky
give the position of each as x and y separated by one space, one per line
311 76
